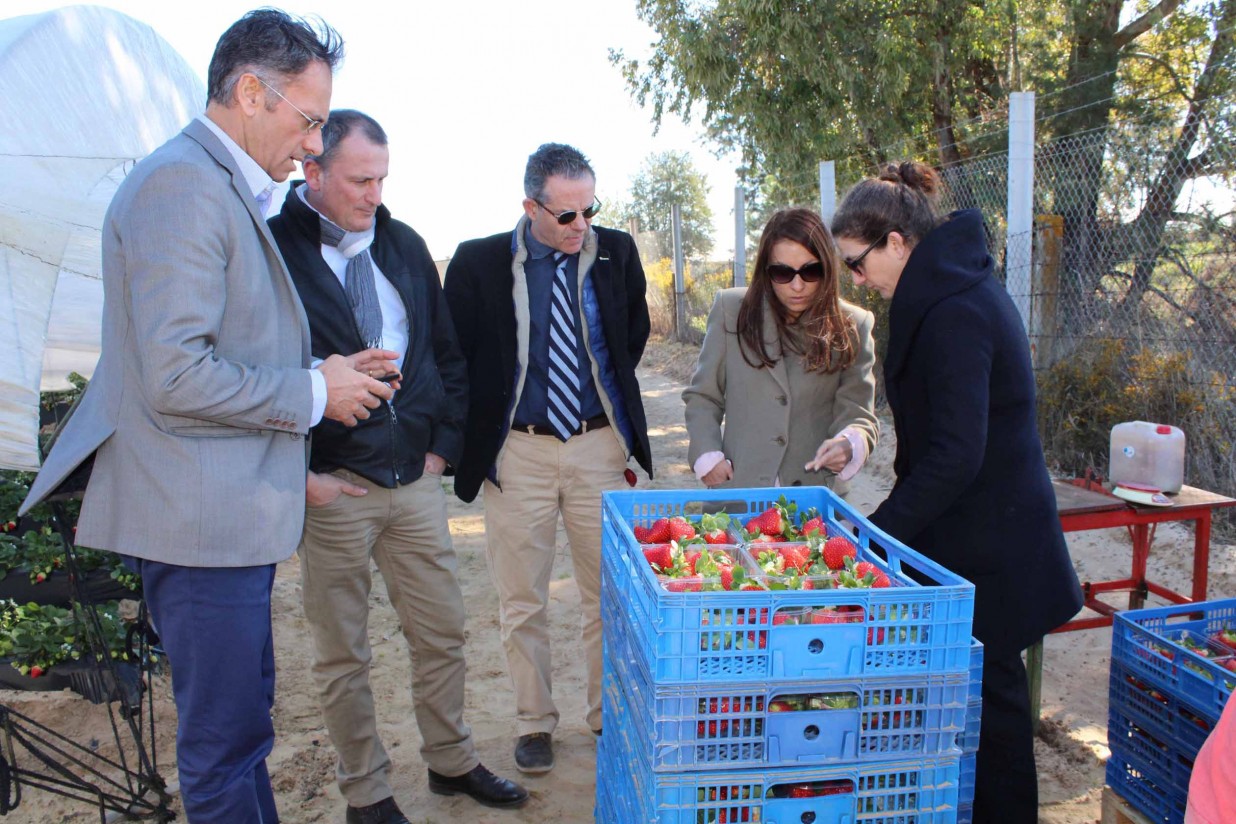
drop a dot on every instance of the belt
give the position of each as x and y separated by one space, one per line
599 422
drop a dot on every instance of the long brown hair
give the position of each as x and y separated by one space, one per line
829 338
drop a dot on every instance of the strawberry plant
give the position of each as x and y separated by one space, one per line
36 638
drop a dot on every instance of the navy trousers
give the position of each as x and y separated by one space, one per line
1006 789
214 624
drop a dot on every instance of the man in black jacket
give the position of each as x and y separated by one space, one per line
552 320
375 490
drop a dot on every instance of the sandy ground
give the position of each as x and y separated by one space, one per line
1070 750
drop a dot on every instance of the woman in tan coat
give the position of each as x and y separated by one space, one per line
783 393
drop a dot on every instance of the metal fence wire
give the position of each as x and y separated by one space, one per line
1131 289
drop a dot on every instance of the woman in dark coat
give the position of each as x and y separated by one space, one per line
972 489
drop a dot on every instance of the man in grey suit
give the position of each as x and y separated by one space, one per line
202 398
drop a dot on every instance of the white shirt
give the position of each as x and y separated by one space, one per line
258 182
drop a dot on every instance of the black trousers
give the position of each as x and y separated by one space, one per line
1006 787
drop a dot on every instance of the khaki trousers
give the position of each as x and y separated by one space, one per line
405 531
543 477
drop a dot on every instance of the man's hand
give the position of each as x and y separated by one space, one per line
434 464
375 363
350 394
832 455
719 474
321 490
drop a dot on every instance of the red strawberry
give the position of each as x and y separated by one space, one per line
680 530
768 522
727 578
717 537
751 586
36 671
660 531
641 534
815 524
797 557
864 568
836 550
683 585
659 557
40 578
690 559
1226 637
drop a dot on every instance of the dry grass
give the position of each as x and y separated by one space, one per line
670 358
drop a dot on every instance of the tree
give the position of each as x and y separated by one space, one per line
666 179
791 82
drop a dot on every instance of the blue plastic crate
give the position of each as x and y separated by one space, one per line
740 725
974 704
915 791
965 792
1157 711
690 637
1133 782
1142 642
1164 763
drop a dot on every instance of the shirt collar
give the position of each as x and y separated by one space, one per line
255 176
536 249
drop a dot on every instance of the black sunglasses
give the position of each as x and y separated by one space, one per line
567 217
853 264
809 272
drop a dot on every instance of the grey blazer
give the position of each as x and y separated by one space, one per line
770 431
199 406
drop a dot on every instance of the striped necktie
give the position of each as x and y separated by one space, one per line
563 400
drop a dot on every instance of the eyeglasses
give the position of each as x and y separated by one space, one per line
568 217
311 123
853 264
809 272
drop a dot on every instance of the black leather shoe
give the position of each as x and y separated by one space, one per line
383 812
534 753
484 787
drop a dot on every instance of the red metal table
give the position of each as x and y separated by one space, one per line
1087 505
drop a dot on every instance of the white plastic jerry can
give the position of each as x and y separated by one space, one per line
1147 453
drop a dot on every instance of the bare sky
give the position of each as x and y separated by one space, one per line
466 90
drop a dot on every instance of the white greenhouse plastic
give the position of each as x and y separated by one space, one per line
85 92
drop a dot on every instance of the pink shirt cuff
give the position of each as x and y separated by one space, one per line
707 463
858 447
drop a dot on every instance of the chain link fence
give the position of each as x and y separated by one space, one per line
1131 292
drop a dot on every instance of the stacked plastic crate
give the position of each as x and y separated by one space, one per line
783 705
1173 669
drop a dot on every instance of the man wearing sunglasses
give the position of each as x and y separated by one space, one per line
552 320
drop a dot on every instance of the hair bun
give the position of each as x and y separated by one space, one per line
918 176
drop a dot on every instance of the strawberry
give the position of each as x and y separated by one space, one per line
836 550
727 578
659 557
641 534
768 522
660 531
40 578
796 557
1226 637
690 559
680 530
684 585
36 671
713 528
812 526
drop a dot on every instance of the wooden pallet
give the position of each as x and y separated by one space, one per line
1118 811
